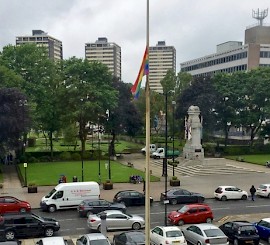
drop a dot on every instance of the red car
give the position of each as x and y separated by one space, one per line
12 204
191 214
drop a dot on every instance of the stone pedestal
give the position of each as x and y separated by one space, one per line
193 149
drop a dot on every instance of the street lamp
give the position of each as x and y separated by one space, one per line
23 103
166 157
81 133
109 153
173 107
99 172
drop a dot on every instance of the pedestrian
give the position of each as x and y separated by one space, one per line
75 179
252 192
64 178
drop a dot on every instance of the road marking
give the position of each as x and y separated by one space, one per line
219 208
255 206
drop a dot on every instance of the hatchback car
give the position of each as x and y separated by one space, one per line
205 234
87 207
224 193
241 232
27 225
12 204
190 214
178 195
52 241
263 228
263 190
130 198
116 220
165 235
129 237
93 238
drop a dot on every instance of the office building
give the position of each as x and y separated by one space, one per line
42 39
105 52
161 59
234 56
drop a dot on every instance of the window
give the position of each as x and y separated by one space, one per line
193 210
202 209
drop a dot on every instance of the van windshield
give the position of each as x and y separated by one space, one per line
51 193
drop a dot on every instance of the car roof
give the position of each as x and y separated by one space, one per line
112 212
10 197
205 226
197 205
95 236
265 184
52 240
225 186
242 222
169 228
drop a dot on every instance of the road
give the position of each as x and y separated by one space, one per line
72 224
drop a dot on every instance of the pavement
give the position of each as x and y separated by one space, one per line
202 177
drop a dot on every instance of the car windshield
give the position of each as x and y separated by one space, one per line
248 230
138 238
183 209
175 233
38 217
262 187
51 193
99 242
213 232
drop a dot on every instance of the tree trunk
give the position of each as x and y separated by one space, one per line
112 150
51 144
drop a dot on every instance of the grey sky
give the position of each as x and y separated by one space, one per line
193 27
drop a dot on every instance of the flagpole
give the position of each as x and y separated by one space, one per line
147 140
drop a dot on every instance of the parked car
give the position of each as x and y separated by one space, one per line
263 228
241 232
91 206
15 225
13 242
116 220
130 198
12 204
165 235
205 234
52 241
178 195
224 193
263 190
129 237
92 239
190 214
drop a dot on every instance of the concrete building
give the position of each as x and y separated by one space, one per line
42 39
161 59
107 53
233 56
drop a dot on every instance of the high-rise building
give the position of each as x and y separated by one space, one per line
233 56
42 39
105 52
161 59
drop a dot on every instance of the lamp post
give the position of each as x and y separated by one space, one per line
99 173
81 133
109 153
23 103
166 157
25 173
173 107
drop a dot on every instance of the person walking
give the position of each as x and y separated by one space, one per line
252 191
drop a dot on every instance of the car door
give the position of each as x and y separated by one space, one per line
3 206
103 205
263 228
157 236
117 221
189 197
96 207
229 193
228 230
191 216
11 205
33 226
194 234
237 193
136 198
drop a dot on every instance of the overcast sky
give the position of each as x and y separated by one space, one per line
193 27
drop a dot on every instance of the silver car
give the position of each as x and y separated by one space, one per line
116 220
205 234
93 238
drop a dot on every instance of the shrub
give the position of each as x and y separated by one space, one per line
45 159
174 178
32 159
76 156
65 156
31 142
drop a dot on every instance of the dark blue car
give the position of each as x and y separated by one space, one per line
263 227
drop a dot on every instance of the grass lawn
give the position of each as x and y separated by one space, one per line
256 159
48 173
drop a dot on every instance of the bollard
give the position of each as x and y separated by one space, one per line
103 224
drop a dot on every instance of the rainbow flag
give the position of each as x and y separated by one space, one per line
144 70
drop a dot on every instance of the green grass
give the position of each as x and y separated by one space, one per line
256 159
48 173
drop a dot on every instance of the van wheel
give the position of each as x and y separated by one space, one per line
52 208
181 222
10 235
136 226
49 232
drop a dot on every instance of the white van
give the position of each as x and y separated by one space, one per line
69 195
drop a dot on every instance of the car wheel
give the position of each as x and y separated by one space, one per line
244 197
52 208
235 242
49 232
173 201
223 198
181 222
268 195
136 226
10 235
209 220
22 210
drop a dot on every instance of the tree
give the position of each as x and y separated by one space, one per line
14 118
86 94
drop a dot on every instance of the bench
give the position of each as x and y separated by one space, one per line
130 165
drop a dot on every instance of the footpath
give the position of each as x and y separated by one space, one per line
204 184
